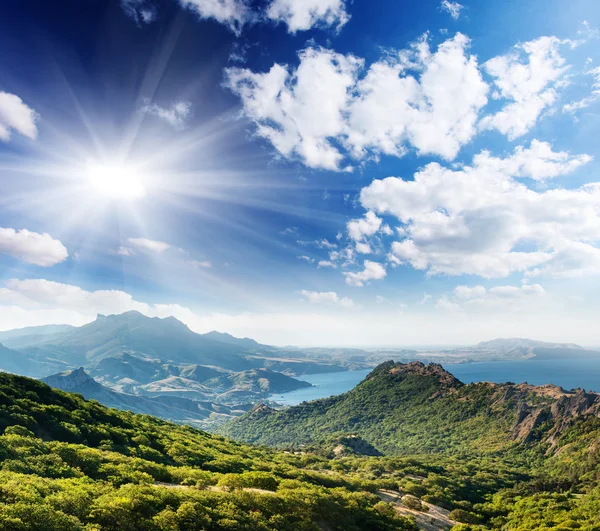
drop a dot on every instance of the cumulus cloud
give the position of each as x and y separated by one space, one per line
16 115
140 11
232 13
326 263
371 271
453 8
527 79
301 15
300 112
31 247
176 115
324 111
538 162
146 244
326 297
358 229
480 220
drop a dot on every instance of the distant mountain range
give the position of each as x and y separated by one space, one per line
134 360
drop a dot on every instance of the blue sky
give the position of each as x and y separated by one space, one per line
302 171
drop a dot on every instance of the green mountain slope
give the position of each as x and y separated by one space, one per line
404 409
68 464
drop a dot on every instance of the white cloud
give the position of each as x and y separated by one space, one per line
326 297
31 247
371 271
479 220
426 298
123 251
289 231
176 115
594 96
363 248
324 243
200 264
299 112
537 162
45 301
16 115
323 105
527 78
326 263
307 259
358 229
497 299
232 13
445 304
435 111
465 292
146 244
454 8
302 15
140 11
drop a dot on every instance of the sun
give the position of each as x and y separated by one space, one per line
114 181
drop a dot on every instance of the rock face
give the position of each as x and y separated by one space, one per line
558 413
354 445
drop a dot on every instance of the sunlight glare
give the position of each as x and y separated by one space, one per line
115 181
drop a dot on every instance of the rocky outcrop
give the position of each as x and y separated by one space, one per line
353 445
420 369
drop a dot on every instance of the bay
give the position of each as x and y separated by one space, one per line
567 373
324 385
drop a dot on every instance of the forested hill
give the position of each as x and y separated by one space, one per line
406 409
67 464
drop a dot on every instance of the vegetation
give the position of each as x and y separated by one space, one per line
69 464
492 457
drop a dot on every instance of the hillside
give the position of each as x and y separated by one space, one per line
180 410
68 464
404 409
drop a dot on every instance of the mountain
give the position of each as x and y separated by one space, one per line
182 410
129 370
166 339
255 382
31 334
520 348
67 464
245 343
404 409
21 363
